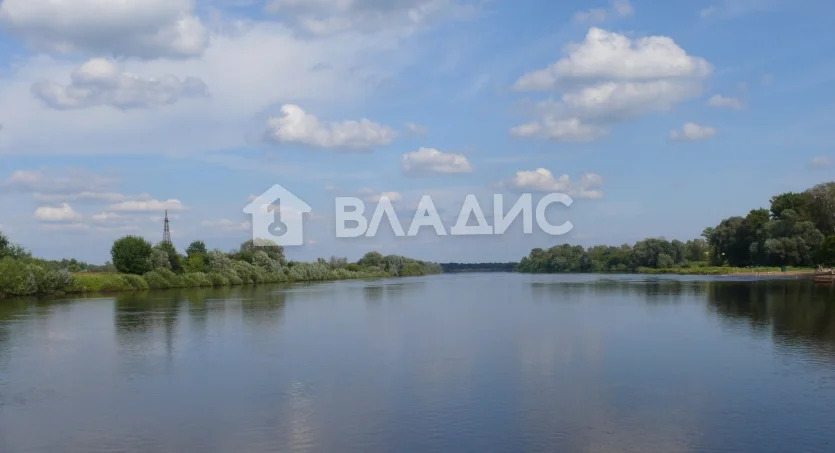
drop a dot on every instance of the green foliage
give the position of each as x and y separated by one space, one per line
175 261
372 259
159 259
132 255
197 249
826 254
24 277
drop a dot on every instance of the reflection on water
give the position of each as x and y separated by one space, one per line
465 362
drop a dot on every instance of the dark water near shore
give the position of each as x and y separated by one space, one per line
464 362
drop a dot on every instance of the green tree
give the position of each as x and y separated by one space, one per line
197 248
132 255
826 254
372 259
822 207
797 202
174 258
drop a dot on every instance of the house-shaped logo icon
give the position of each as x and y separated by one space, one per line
277 217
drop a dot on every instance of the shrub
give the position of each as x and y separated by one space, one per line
132 255
155 280
102 283
218 279
197 280
136 281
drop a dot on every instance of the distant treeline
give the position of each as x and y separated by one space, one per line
137 265
797 230
479 267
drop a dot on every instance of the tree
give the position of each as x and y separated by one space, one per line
174 258
132 255
247 250
797 202
372 259
826 254
159 259
822 207
4 243
197 249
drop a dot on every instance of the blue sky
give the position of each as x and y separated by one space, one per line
659 118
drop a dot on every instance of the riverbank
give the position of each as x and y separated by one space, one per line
733 271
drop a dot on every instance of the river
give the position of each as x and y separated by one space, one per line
464 362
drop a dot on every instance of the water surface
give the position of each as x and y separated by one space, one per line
465 362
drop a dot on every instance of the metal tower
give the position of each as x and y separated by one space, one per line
166 232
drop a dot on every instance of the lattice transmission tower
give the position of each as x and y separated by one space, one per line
166 232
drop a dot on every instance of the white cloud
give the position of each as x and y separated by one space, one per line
430 160
616 8
69 181
250 67
542 180
294 125
822 162
607 55
692 132
327 17
393 196
140 28
226 225
608 78
554 128
63 213
101 81
717 100
148 205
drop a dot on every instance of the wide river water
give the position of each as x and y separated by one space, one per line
464 362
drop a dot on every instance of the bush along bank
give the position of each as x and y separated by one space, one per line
137 265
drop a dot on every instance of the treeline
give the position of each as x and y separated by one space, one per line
479 267
797 230
649 254
139 265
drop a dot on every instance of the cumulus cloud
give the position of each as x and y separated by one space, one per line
542 180
616 9
607 78
62 213
717 100
148 205
101 81
138 28
327 17
430 160
692 132
295 126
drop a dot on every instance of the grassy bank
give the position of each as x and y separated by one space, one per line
165 279
725 270
26 276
